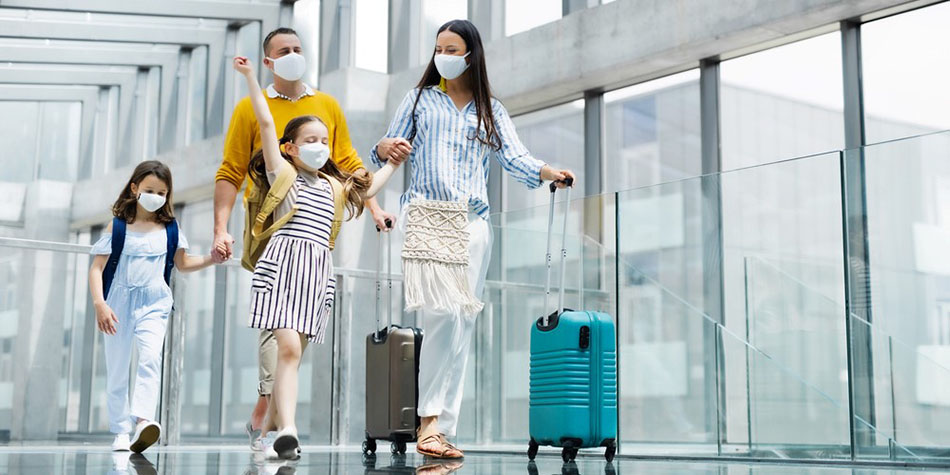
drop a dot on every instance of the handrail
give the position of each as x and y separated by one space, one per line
39 245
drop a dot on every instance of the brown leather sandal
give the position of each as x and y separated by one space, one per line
448 444
445 451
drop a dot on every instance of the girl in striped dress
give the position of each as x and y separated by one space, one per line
293 285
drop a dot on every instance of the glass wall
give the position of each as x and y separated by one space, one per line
908 222
653 132
782 103
905 73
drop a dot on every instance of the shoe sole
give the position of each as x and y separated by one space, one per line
146 439
286 447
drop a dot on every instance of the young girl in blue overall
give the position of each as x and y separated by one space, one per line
293 285
129 285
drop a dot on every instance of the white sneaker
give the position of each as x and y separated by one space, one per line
286 444
267 446
121 443
146 434
254 436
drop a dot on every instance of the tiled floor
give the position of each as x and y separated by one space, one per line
233 459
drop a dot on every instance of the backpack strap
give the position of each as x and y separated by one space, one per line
277 192
339 202
118 242
171 244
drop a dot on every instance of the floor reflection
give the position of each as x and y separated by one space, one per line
202 460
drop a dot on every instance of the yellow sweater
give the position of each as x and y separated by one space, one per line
244 135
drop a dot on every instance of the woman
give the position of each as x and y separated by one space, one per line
449 127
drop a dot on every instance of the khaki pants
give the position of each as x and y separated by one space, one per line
266 362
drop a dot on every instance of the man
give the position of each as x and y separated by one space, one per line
287 97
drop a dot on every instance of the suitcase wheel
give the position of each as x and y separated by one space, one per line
397 448
610 452
369 447
569 452
532 449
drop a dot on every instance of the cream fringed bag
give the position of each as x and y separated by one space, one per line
435 258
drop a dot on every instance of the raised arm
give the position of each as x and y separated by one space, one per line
265 120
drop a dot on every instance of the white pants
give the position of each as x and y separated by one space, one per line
448 338
142 319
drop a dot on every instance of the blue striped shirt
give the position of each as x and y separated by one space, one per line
448 164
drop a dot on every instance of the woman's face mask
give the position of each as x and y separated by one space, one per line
451 66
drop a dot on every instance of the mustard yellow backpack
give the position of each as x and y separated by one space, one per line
260 222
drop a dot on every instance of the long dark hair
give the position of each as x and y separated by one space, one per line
126 205
355 184
477 76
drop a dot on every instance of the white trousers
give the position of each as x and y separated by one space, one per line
142 320
448 339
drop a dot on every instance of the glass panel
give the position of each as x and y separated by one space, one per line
18 121
555 136
905 74
196 310
76 324
652 132
782 103
667 379
788 214
523 16
59 141
908 222
372 35
518 298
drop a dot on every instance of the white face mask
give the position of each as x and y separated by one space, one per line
151 202
314 155
290 67
451 66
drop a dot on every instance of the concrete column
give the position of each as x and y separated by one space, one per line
336 35
857 266
712 248
489 17
405 34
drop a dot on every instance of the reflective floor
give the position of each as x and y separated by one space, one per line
233 459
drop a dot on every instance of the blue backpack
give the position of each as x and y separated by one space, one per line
118 242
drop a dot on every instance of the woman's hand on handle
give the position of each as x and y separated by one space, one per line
394 150
559 177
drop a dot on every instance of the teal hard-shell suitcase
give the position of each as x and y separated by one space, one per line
573 376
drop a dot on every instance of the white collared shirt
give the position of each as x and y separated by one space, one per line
273 94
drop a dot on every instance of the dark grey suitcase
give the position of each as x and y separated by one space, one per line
392 375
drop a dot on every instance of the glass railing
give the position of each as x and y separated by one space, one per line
739 329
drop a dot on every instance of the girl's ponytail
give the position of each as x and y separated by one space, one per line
354 191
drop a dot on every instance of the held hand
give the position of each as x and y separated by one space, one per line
221 249
384 221
394 150
243 65
558 176
106 319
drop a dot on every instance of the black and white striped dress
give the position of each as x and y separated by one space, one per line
293 284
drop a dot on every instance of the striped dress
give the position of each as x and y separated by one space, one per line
293 284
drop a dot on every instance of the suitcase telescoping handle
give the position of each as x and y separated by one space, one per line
547 286
389 275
